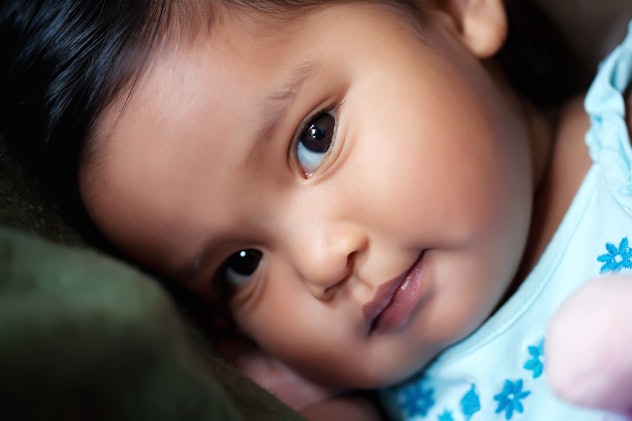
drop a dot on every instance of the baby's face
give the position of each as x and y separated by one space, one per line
377 186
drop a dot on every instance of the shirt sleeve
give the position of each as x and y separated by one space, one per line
608 139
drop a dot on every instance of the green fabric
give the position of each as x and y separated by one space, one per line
25 205
87 337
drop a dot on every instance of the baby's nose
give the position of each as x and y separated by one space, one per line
326 259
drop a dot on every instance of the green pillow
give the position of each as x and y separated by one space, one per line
84 337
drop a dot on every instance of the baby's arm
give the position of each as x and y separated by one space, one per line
313 401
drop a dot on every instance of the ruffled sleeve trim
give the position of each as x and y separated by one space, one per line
608 139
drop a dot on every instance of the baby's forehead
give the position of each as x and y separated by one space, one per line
237 44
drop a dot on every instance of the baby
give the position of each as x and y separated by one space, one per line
359 185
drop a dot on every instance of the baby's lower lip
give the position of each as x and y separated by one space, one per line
404 300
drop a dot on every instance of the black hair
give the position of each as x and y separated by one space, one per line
536 59
61 61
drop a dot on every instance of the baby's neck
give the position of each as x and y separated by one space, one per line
561 161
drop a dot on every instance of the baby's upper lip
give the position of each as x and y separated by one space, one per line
383 297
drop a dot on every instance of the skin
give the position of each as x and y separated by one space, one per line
437 158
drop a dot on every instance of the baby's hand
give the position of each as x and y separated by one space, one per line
294 390
589 345
313 401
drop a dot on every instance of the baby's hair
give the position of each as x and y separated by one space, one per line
536 58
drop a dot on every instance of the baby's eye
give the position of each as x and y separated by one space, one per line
241 266
314 141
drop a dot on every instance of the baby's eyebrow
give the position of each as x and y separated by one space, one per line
293 82
276 103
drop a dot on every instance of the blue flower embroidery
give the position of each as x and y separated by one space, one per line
536 363
617 258
446 416
415 400
509 400
471 403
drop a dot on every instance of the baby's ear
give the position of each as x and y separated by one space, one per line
481 25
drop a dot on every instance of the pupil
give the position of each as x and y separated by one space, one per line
319 133
245 262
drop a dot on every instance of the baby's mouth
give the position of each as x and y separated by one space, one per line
392 305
